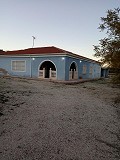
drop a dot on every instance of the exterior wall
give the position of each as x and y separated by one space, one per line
5 63
57 60
32 66
62 64
96 69
68 62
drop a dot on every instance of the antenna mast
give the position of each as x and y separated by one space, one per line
33 40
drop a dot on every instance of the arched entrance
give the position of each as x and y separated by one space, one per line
73 72
47 70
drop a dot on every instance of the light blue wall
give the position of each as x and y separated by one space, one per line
32 66
62 66
69 61
96 68
57 60
6 64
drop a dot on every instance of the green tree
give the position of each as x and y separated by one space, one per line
108 49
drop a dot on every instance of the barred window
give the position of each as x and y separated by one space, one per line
18 66
84 69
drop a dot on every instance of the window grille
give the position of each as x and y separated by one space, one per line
18 66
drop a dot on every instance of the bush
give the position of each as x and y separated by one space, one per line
116 78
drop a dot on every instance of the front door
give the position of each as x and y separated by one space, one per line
47 72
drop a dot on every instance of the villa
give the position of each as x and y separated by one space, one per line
49 63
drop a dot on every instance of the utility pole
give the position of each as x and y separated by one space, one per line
33 41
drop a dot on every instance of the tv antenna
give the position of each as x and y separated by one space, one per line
33 40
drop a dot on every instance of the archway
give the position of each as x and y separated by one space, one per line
47 70
73 73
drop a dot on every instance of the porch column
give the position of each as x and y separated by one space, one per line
50 72
43 72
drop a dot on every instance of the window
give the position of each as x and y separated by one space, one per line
19 66
84 69
91 70
99 68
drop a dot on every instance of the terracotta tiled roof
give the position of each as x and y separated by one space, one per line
43 50
1 51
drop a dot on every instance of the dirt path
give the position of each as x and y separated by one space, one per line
44 120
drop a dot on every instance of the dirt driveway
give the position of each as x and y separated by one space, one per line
50 121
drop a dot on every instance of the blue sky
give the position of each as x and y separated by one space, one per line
67 24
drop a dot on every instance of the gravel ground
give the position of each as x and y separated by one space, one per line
42 120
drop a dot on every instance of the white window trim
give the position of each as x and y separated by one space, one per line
18 61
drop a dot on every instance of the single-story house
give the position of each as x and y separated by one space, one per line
49 62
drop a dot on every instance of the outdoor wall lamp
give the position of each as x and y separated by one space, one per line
63 58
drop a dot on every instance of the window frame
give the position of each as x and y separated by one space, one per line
15 66
91 70
84 71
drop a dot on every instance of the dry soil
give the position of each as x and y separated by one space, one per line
42 120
